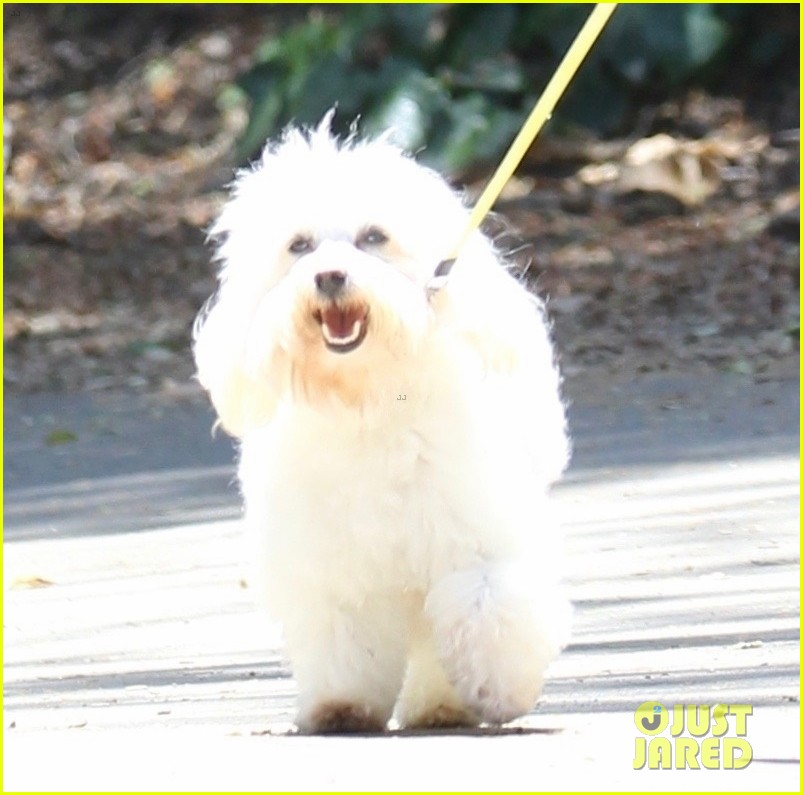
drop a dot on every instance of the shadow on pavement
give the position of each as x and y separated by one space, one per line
110 463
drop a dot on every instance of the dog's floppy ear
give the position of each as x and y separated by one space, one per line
219 344
506 327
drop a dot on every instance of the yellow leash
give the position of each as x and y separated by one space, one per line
535 121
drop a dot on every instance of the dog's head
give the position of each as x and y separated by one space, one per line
326 249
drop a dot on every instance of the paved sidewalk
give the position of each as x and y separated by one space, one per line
133 658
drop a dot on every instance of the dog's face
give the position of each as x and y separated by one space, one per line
326 251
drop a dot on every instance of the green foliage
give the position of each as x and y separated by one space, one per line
60 436
457 80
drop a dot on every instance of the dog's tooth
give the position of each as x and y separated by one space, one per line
355 332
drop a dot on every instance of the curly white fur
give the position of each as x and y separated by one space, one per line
396 491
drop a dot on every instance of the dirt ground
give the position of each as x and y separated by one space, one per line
675 248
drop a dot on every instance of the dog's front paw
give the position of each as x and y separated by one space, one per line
495 638
439 716
340 717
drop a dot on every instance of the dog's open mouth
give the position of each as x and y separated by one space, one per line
343 327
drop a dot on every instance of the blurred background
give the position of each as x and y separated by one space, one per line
658 212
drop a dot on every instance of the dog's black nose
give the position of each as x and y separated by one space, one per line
330 283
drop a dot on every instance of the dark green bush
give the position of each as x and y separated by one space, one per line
457 80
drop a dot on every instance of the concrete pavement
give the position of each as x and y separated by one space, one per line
133 658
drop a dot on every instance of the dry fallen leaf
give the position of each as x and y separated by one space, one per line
687 171
31 581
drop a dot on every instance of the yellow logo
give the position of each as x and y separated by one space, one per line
699 736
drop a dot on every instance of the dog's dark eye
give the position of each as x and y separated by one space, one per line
373 236
300 245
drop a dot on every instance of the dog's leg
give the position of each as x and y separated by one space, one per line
427 699
348 662
496 629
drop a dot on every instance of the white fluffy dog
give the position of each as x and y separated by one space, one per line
397 442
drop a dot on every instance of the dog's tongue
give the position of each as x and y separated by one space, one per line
340 322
